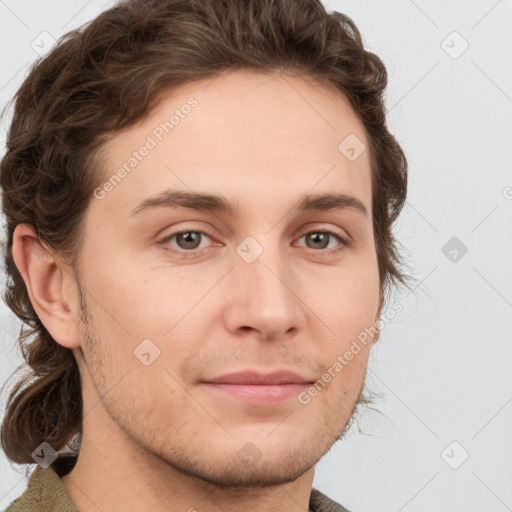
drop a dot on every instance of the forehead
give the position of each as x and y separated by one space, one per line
255 137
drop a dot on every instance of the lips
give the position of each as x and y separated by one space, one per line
257 388
260 379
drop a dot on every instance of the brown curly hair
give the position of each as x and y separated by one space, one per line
109 74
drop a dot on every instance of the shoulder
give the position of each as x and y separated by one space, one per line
319 502
45 492
29 499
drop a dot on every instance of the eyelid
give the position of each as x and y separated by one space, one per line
192 252
341 239
319 227
344 240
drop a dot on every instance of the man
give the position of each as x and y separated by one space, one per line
199 198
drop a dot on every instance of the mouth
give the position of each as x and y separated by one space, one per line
258 388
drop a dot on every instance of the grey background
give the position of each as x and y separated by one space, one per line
443 363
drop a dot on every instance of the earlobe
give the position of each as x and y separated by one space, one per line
377 335
45 277
377 317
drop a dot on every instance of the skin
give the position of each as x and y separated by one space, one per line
153 436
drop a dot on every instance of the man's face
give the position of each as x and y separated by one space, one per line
257 290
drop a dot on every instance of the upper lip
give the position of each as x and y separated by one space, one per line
259 378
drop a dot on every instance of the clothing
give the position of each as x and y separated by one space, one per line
46 493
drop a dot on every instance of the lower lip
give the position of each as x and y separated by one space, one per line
256 393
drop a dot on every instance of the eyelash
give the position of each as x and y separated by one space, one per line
194 252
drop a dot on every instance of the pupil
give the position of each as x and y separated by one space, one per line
319 237
188 236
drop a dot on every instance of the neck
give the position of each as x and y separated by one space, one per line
114 473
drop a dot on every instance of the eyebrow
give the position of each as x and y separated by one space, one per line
219 204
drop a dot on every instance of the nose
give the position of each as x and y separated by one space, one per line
263 296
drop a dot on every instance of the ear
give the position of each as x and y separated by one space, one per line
377 316
377 335
50 285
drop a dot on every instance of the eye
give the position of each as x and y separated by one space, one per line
188 241
320 240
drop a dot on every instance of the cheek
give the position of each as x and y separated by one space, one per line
142 300
139 302
348 302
